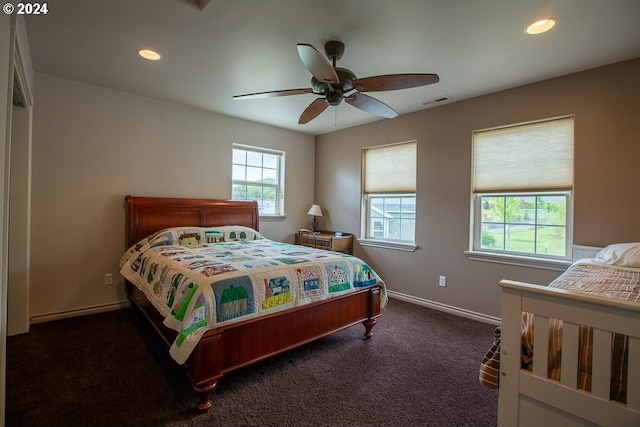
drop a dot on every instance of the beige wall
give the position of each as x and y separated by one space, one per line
606 104
92 146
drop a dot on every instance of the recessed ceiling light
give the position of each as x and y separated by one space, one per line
149 54
541 26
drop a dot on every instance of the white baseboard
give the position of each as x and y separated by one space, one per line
47 317
446 308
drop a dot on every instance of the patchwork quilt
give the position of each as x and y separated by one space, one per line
203 278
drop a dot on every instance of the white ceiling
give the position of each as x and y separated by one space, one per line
236 47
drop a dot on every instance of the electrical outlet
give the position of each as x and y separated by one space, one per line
442 281
108 279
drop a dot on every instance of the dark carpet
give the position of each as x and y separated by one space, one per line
111 369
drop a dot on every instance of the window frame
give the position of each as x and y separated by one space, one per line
278 187
476 243
370 229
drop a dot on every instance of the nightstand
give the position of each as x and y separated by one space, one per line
328 240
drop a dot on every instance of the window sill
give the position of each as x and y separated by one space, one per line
273 217
407 247
521 261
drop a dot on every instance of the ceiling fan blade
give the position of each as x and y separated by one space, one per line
371 105
317 64
274 93
313 110
394 82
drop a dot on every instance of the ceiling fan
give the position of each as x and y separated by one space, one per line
335 84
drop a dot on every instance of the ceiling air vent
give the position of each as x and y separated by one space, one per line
200 4
437 100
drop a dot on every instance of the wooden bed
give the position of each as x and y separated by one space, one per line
530 398
232 347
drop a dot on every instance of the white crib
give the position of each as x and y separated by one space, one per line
529 398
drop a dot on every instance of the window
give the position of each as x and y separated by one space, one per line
389 192
522 189
528 224
257 174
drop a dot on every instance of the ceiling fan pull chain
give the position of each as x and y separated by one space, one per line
335 120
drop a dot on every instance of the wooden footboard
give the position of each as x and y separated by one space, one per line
530 398
226 349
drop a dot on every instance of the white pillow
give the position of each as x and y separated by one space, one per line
622 254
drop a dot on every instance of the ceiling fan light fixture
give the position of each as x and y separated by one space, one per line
541 26
149 54
334 97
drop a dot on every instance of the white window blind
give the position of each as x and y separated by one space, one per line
534 156
390 169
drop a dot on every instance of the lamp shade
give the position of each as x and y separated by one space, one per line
315 211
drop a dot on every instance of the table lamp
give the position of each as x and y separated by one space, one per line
316 212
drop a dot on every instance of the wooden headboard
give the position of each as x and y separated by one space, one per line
146 215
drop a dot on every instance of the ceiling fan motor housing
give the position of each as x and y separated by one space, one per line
334 92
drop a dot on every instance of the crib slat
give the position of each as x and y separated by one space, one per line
601 364
633 374
541 346
569 361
